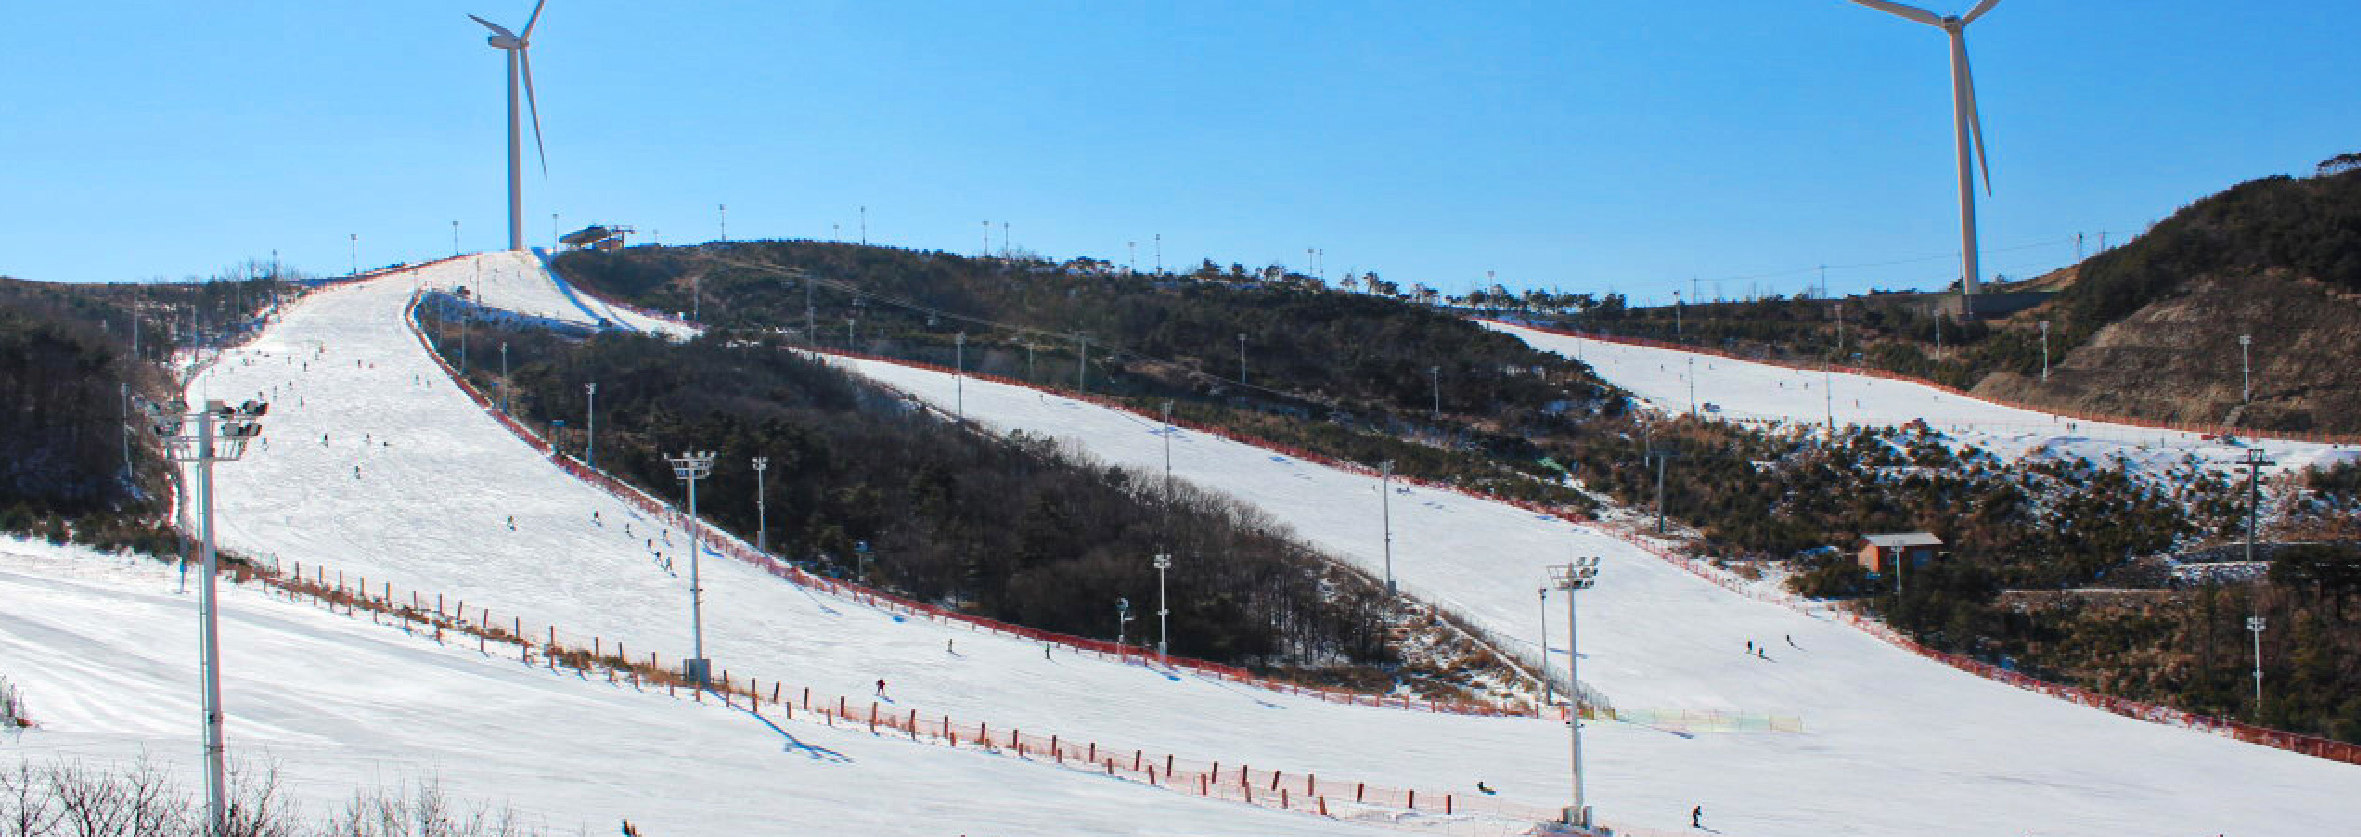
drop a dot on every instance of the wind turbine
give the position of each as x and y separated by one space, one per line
519 62
1965 122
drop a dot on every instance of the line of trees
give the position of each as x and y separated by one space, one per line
864 483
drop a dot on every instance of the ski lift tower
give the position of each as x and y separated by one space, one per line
218 433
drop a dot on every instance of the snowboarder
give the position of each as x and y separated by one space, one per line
1759 653
628 830
1483 788
947 646
1697 817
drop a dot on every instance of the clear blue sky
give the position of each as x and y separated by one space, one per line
1591 146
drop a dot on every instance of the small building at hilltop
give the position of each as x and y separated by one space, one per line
1882 553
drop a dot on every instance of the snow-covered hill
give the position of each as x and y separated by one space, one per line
1673 381
376 466
1896 743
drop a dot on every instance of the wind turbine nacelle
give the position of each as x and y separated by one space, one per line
504 42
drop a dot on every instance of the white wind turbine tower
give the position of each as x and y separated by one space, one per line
519 63
1966 123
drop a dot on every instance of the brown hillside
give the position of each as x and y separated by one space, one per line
2177 358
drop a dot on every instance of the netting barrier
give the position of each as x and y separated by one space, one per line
2129 421
451 620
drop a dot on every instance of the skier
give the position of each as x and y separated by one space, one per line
947 646
356 472
512 523
1483 788
1791 643
1750 646
1697 817
881 688
628 830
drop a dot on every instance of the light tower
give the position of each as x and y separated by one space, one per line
1385 506
2254 624
2245 368
762 524
2045 351
1163 612
220 435
590 431
690 467
1573 578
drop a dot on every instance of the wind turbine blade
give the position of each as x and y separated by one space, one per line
524 58
496 28
1977 12
1917 14
1975 113
536 18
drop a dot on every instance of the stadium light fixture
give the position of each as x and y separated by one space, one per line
690 467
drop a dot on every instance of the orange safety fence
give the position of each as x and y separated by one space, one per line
546 645
2183 427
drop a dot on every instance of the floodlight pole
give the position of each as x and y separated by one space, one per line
1241 358
1122 623
1580 575
503 377
1163 612
203 450
1545 684
590 432
2245 368
2254 624
1385 506
1660 455
959 375
690 467
762 525
2045 351
1436 373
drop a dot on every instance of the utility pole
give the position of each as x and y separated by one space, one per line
762 516
1082 364
1163 613
590 414
690 467
356 255
1241 358
2254 624
2045 351
1661 455
1582 574
454 238
811 326
503 377
2245 368
221 435
1692 386
1385 510
1545 684
1436 373
959 376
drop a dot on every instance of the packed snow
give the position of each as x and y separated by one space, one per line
1673 382
102 647
377 466
1896 744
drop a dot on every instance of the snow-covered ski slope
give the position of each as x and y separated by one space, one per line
1758 391
518 283
1896 745
438 481
103 650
